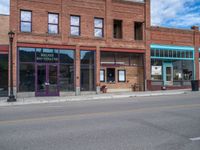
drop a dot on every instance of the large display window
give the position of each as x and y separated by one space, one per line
45 71
172 65
87 70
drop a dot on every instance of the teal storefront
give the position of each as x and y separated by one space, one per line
172 66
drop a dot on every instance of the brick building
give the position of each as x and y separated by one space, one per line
72 46
4 23
66 47
175 53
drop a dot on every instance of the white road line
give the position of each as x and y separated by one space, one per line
195 139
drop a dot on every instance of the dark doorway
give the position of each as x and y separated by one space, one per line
3 75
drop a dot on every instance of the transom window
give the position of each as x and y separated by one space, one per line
75 25
176 54
98 27
25 21
53 23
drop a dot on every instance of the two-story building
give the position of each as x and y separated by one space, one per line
75 46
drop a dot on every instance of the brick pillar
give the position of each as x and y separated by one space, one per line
98 69
13 23
77 70
148 43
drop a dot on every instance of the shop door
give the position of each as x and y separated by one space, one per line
47 80
168 74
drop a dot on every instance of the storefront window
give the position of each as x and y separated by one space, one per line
30 58
67 56
182 69
177 73
87 70
66 77
66 70
27 78
3 74
188 70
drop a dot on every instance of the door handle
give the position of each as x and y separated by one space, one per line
46 83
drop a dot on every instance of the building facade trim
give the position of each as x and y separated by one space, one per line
123 50
172 47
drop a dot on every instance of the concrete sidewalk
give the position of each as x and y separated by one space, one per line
42 100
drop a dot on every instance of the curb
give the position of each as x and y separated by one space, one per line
74 99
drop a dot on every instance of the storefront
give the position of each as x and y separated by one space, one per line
121 71
171 66
45 71
87 70
3 74
51 72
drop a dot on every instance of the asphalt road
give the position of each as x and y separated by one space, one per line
142 123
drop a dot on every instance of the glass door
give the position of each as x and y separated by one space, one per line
168 74
47 80
52 84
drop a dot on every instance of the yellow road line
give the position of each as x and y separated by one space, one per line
77 116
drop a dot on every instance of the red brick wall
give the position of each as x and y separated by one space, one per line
4 29
169 36
87 9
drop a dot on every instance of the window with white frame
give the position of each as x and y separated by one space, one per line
25 21
53 23
98 27
75 25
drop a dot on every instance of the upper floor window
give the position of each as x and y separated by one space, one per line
117 29
98 27
75 25
138 30
53 23
26 21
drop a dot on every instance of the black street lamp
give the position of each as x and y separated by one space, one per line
11 97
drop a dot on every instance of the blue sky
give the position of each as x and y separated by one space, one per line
167 13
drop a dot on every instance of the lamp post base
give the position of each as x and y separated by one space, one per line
11 99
